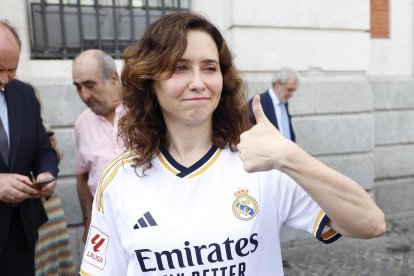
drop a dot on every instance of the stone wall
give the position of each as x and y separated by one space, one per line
394 142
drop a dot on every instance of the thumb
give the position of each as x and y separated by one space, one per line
258 110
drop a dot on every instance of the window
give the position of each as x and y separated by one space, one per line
60 29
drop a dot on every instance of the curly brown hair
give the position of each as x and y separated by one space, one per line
143 128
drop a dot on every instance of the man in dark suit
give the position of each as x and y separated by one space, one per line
26 154
275 101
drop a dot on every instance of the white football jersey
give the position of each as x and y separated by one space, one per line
210 219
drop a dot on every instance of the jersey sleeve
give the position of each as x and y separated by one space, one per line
103 253
300 211
322 231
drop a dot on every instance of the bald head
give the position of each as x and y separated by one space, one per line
104 62
4 26
9 53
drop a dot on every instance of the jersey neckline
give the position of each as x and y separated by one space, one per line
187 172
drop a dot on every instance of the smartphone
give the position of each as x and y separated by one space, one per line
50 133
39 184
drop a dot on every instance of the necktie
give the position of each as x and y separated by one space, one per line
4 144
284 121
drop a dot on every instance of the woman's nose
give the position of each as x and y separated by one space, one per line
197 83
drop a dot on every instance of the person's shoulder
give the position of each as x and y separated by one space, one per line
264 93
21 84
84 117
118 168
126 159
20 87
86 113
261 94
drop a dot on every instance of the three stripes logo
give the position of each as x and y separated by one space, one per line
145 221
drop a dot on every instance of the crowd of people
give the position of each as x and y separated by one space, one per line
177 172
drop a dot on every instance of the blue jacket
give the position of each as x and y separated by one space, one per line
270 112
30 154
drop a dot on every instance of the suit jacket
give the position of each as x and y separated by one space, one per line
30 153
270 112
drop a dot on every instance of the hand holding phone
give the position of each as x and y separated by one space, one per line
39 184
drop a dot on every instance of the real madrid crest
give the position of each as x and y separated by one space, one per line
245 207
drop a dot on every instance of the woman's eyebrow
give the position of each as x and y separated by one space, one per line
208 60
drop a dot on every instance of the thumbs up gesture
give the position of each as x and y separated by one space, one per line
263 147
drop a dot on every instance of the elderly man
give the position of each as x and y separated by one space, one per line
275 101
26 159
97 82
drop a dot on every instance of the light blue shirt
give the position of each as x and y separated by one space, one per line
275 100
3 113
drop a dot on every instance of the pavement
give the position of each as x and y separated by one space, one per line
390 255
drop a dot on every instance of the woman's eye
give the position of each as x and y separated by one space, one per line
211 68
180 67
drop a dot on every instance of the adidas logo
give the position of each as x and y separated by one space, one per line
145 221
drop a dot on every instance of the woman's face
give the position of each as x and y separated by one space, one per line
190 96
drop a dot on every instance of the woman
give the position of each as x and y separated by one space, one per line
200 193
53 253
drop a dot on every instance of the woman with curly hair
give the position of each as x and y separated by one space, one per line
200 192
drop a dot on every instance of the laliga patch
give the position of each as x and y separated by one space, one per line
96 247
245 207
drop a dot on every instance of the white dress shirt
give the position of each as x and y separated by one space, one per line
276 106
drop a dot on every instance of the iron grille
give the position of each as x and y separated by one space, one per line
62 30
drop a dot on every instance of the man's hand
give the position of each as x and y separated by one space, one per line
48 189
262 147
15 188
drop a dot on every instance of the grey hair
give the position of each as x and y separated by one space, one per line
13 31
106 63
284 74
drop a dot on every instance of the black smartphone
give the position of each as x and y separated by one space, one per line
39 184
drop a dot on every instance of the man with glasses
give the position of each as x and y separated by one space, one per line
275 101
